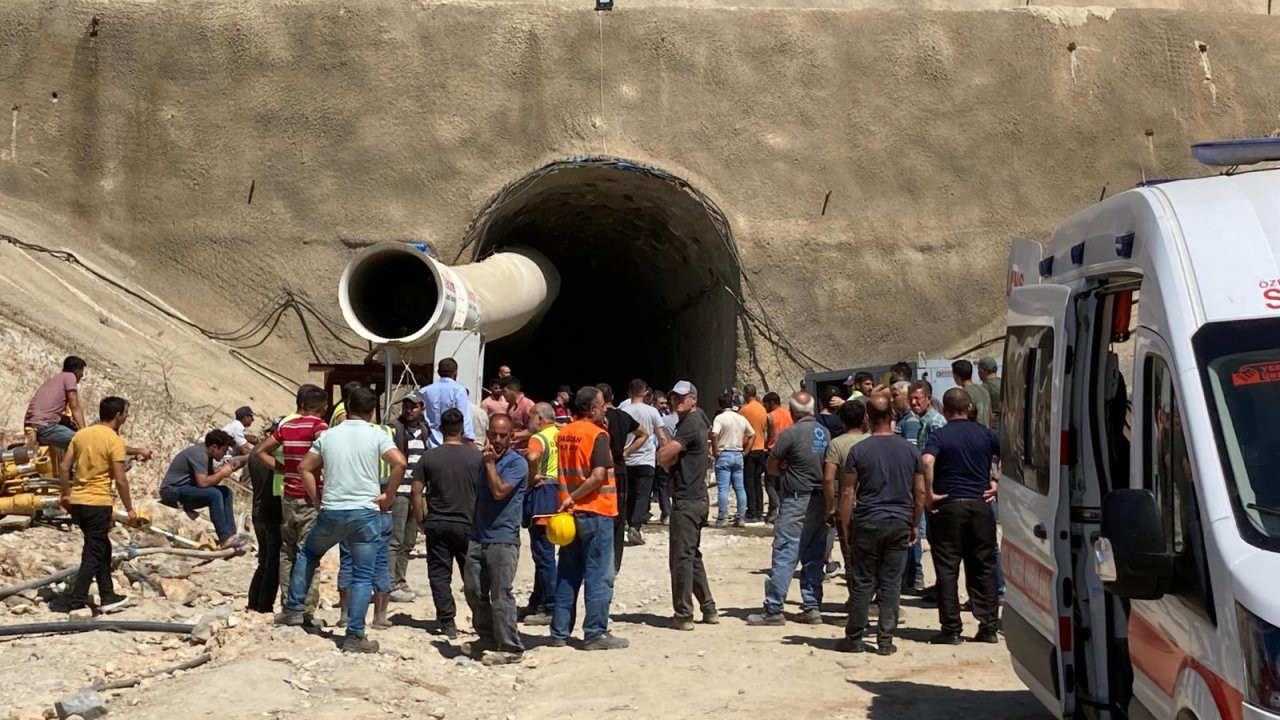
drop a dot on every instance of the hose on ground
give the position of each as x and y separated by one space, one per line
121 554
78 626
130 682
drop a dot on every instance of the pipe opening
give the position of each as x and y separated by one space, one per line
379 301
644 262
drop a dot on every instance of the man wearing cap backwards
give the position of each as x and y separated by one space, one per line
238 430
800 532
685 458
411 434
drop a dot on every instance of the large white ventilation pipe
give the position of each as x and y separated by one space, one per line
399 295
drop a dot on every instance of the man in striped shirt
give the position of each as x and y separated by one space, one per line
411 434
294 438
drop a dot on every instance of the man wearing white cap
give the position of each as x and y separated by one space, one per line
685 458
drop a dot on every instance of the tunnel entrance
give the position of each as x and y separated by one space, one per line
648 278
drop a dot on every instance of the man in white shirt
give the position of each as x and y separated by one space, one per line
641 463
238 430
731 435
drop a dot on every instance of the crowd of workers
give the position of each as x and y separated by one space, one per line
876 468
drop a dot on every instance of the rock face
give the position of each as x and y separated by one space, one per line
854 154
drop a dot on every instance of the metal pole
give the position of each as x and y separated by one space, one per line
386 349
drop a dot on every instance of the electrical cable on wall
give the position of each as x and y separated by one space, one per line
253 333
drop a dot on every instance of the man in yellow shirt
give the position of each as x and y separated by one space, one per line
98 454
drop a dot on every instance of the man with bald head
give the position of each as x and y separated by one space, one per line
800 532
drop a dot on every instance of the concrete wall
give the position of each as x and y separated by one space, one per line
937 134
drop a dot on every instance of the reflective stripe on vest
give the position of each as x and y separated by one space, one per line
574 445
549 463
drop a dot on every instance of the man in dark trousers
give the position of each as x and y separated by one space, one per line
685 457
957 465
884 476
620 425
448 475
267 518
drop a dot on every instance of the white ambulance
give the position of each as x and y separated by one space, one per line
1140 489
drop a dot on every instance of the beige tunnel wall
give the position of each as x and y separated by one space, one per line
938 135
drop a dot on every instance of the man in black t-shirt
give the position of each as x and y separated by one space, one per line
620 425
958 462
881 501
686 457
447 474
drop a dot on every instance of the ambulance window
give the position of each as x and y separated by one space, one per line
1025 438
1170 477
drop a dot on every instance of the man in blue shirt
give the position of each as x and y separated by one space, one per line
495 548
443 394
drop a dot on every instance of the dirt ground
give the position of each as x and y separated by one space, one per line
259 670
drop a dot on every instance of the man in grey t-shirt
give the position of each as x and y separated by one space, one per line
800 532
641 463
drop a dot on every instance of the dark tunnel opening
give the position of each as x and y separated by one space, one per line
648 279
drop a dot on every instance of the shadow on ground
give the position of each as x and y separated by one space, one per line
898 699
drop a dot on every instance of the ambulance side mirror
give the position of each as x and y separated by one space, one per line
1132 557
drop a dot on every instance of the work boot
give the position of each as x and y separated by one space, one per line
288 617
710 616
403 595
739 522
721 522
474 649
359 644
501 657
112 602
449 629
606 641
538 619
810 617
679 622
886 649
851 644
380 620
766 619
946 638
986 636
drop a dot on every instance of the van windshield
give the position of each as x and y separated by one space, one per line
1241 366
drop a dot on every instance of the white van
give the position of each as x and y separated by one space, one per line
1140 493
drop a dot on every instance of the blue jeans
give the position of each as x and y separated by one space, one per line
381 570
585 563
729 470
362 531
215 497
799 535
57 435
543 597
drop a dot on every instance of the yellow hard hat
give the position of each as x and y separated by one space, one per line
561 529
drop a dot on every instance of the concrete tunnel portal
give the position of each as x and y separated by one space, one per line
649 278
